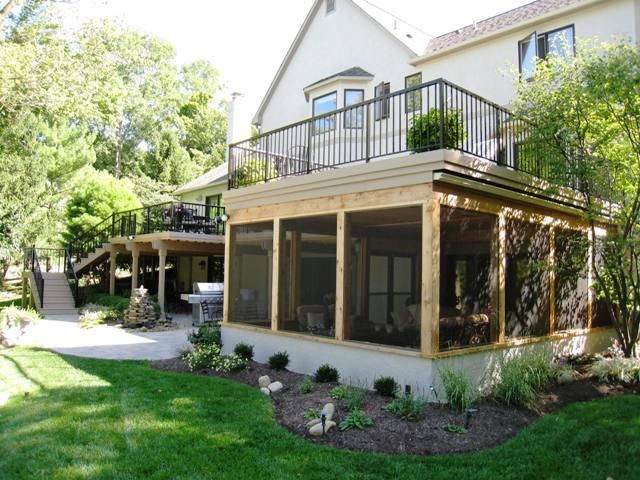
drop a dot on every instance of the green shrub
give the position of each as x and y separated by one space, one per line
458 389
306 386
210 356
339 392
453 428
13 320
311 414
115 302
244 350
407 407
424 133
93 315
356 419
326 374
206 335
625 370
386 386
521 378
354 398
279 361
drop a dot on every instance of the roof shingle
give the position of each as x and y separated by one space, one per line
498 22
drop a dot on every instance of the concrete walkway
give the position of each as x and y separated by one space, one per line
62 334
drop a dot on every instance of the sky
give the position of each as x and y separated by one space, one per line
246 40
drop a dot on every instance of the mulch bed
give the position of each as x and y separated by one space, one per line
490 426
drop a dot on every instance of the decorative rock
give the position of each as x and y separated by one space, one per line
264 381
316 430
275 387
313 422
328 410
265 390
140 311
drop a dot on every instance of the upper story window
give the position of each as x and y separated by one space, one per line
559 43
413 99
353 118
326 103
382 106
330 5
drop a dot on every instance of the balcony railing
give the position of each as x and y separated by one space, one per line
430 116
164 217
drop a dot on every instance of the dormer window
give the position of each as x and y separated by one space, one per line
330 6
559 43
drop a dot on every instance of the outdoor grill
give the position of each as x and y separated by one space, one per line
207 300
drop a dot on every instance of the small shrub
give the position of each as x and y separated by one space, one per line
339 392
93 315
326 374
354 398
523 377
279 361
306 386
244 350
424 133
356 419
311 414
407 407
453 428
206 335
458 389
115 302
210 356
616 369
13 321
386 386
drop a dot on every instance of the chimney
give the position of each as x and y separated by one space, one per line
231 110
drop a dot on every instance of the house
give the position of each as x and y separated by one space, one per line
392 216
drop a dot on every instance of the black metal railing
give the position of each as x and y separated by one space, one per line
32 263
164 217
72 278
433 115
50 259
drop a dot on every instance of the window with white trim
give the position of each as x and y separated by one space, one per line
559 43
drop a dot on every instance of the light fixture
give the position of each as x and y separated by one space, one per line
224 217
467 421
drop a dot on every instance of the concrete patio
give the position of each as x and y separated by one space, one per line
63 334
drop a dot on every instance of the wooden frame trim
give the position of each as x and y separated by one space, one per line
552 280
229 252
342 271
275 274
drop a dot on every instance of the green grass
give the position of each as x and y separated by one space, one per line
13 302
72 418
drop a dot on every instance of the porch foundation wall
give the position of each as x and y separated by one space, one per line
360 365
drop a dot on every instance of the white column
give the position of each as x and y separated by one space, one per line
162 254
112 273
135 267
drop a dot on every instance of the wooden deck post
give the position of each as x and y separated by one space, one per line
275 274
342 276
502 272
230 235
430 306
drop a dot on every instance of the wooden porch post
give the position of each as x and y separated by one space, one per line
275 274
342 274
430 307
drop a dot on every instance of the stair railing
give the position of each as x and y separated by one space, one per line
72 278
33 263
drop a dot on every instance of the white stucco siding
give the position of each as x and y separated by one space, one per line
486 67
335 42
199 196
361 366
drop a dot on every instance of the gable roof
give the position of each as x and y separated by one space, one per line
257 118
214 176
498 22
354 72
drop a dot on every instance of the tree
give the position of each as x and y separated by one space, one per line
585 112
96 199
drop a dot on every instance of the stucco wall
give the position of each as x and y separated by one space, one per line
199 196
335 42
362 366
485 68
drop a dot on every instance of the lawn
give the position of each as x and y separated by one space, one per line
71 418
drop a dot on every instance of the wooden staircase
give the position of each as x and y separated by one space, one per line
91 258
58 298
